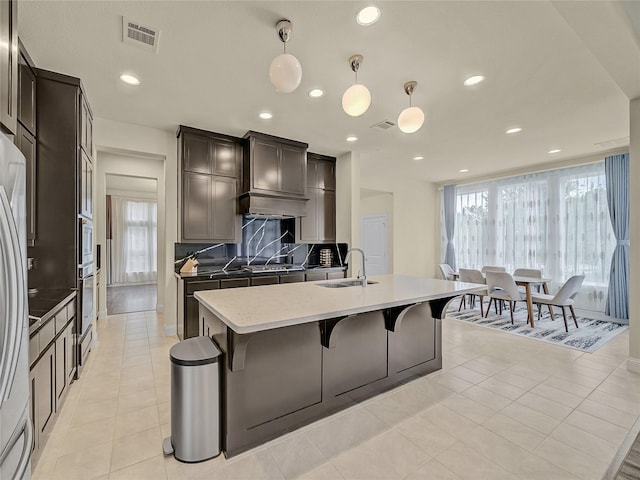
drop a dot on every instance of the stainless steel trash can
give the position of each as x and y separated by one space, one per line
195 400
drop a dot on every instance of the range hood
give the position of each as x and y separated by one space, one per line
274 177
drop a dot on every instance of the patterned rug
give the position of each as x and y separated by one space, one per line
591 335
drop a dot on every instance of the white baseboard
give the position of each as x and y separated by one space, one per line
633 364
102 314
170 330
159 307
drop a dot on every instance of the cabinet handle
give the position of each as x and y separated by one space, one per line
25 456
16 301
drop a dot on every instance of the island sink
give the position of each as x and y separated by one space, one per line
348 283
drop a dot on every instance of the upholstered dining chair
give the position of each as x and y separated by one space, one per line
473 276
527 272
501 286
491 268
446 271
563 298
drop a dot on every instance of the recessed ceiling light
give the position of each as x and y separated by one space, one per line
555 150
513 130
315 93
352 138
418 157
471 81
129 79
464 170
368 15
265 115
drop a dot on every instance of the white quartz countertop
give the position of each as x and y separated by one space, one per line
252 309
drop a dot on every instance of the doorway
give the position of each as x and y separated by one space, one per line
131 243
374 241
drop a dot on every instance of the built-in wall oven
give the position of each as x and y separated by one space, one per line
86 242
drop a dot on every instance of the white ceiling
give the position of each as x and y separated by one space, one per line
211 72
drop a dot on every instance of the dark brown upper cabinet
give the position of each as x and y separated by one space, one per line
26 91
319 225
86 127
213 155
86 186
275 165
26 143
208 165
274 176
9 65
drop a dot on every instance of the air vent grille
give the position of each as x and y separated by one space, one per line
144 36
384 125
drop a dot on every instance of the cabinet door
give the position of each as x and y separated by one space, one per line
326 174
312 169
70 362
191 322
86 186
293 169
86 127
27 145
266 164
61 361
196 206
234 282
224 220
26 95
45 389
88 190
264 280
223 156
9 64
196 153
309 224
327 220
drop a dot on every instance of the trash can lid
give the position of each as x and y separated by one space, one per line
195 351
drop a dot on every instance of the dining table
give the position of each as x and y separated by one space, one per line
527 283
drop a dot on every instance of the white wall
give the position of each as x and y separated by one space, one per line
414 225
153 168
122 138
634 237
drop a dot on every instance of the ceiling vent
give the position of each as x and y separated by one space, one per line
384 125
617 142
143 36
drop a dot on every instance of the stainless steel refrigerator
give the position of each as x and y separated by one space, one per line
15 425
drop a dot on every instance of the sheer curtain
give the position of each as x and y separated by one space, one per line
134 241
556 221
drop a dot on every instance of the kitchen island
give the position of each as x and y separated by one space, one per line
298 352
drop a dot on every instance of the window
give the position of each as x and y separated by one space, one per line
556 221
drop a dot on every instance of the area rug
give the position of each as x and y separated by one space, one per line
591 335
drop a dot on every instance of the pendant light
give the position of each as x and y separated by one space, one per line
356 98
285 71
410 119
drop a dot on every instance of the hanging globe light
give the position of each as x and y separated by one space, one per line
357 98
285 71
410 119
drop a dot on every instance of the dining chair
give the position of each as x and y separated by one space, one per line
563 299
490 268
473 276
527 272
501 286
446 271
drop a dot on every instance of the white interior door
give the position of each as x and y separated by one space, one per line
375 243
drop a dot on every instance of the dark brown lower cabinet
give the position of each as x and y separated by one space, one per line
234 282
45 389
267 280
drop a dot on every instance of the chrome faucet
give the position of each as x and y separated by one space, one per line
362 278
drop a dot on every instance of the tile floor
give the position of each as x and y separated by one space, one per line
502 407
